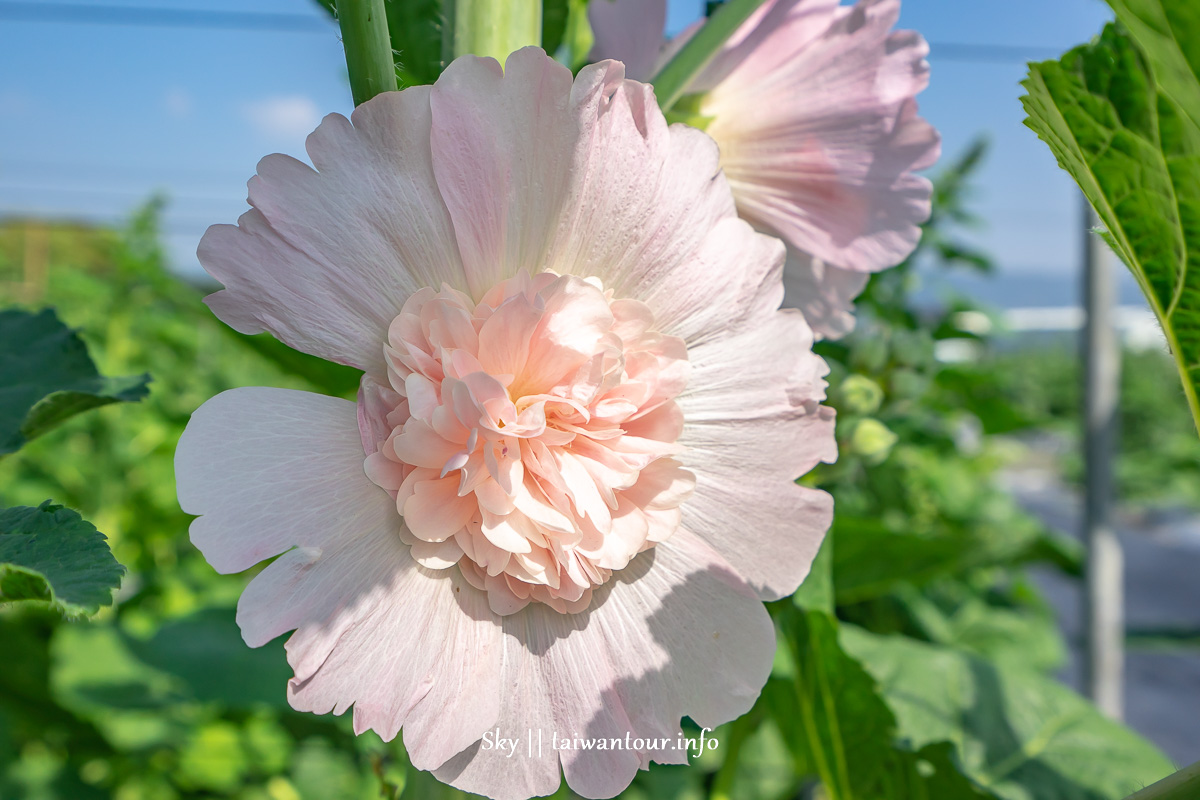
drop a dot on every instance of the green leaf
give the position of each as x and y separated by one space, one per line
1018 733
816 593
554 23
841 730
46 377
757 763
52 554
566 33
1136 154
1169 34
871 558
1017 629
213 758
205 648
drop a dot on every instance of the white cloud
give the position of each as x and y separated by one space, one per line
178 102
284 117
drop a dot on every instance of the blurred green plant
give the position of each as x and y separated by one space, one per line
1158 452
159 697
48 377
49 554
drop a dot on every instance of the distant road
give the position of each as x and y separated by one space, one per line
1162 684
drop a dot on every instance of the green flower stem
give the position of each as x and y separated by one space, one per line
490 27
368 48
1182 785
672 80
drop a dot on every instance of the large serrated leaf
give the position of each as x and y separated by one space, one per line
1021 735
1169 34
46 377
50 553
832 717
842 731
1135 152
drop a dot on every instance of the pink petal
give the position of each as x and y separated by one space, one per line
421 446
505 336
770 39
745 447
436 555
270 469
502 143
600 189
823 293
819 132
335 295
679 633
732 280
575 319
435 512
645 200
373 629
375 402
630 31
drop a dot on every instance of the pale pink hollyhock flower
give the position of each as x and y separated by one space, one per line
567 483
812 104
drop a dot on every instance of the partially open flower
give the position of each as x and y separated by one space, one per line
568 479
812 104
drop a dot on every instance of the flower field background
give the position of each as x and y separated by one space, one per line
916 662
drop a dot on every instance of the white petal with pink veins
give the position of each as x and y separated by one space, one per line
678 634
630 31
272 469
333 296
737 447
248 463
823 293
819 133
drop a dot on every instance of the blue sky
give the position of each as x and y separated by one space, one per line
94 118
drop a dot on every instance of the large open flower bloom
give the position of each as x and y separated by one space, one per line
812 104
567 483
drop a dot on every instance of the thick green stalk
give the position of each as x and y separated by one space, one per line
672 80
368 48
490 27
1181 785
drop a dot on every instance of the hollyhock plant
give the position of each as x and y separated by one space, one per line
568 480
812 104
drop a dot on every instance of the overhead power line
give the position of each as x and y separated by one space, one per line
88 14
163 17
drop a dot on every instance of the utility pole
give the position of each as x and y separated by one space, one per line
1104 609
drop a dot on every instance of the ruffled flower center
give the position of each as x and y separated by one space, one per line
532 446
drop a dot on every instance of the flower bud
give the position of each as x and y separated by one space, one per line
858 394
872 441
